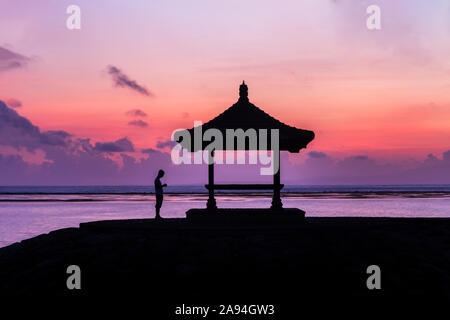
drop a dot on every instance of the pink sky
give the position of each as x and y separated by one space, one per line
312 64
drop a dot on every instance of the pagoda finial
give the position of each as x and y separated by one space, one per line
243 91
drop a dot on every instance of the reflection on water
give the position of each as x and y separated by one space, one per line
21 219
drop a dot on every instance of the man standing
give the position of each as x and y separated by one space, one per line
159 192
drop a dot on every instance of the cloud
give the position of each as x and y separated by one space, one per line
30 156
446 156
317 155
16 130
321 168
357 158
121 145
13 103
165 144
149 150
11 60
138 123
122 80
55 138
136 113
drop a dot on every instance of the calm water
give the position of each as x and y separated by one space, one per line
29 211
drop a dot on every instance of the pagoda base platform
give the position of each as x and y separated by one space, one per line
245 215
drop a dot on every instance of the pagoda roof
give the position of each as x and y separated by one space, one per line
245 115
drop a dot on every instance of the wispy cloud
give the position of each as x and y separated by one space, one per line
122 80
11 60
14 103
136 113
121 145
138 123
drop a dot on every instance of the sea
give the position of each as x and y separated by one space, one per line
28 211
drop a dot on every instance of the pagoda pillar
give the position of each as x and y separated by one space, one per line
276 199
211 203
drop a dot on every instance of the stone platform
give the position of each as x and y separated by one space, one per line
245 215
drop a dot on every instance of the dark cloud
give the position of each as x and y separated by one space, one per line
317 154
121 145
358 158
149 150
73 161
136 113
122 80
138 123
11 60
18 131
56 138
320 168
165 144
70 160
446 156
13 103
431 158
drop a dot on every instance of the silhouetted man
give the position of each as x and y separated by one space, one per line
159 192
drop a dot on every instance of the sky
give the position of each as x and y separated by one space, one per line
98 105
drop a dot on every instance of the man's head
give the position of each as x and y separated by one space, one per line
160 173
